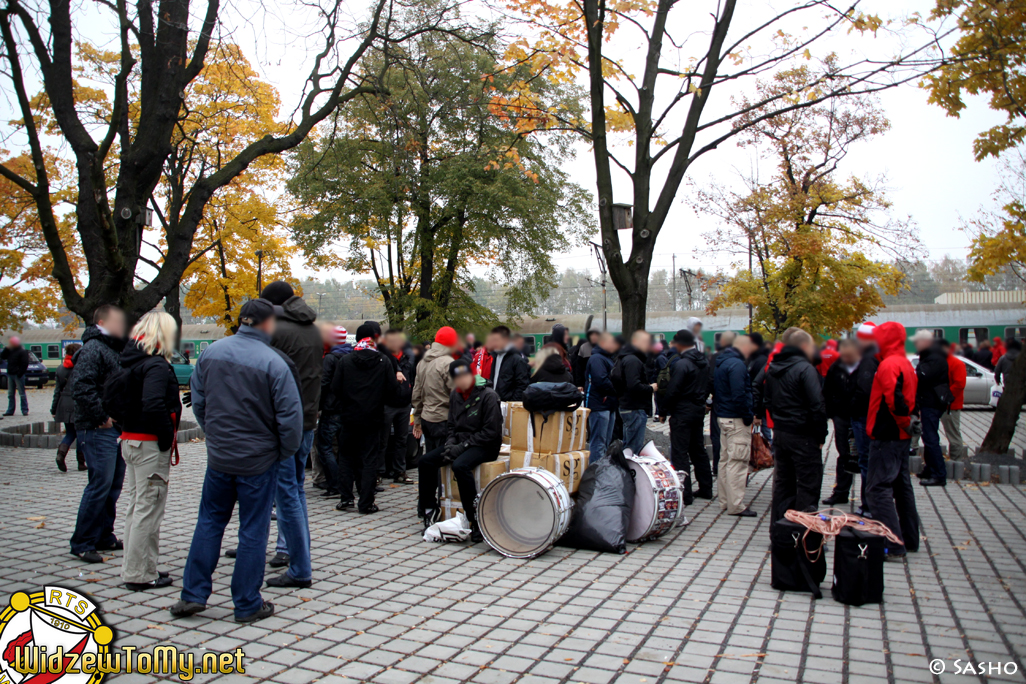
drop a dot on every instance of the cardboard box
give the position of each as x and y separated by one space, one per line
506 413
483 474
567 467
562 432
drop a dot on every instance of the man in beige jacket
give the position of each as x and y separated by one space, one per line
432 389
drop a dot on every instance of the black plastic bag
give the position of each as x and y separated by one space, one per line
604 502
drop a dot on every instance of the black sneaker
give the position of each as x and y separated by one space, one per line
265 611
187 608
430 517
475 533
699 494
161 581
368 511
835 499
933 482
747 513
118 545
280 560
343 505
330 493
284 581
231 553
89 556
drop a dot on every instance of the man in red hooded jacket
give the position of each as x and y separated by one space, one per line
889 490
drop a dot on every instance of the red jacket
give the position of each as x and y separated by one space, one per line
998 350
956 380
482 363
893 397
827 357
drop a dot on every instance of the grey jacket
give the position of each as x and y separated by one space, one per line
245 396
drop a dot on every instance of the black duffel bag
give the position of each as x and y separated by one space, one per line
602 511
798 562
858 567
548 397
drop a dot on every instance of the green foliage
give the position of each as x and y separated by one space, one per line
433 176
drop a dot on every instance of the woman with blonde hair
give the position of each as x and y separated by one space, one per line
550 365
153 410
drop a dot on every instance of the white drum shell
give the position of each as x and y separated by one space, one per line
524 512
658 498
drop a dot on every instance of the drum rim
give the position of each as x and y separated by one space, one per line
522 472
646 535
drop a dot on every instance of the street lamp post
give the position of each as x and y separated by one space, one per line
260 271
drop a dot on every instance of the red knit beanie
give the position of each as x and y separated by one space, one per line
446 337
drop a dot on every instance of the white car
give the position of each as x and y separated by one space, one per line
978 381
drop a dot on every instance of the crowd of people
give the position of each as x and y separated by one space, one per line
350 408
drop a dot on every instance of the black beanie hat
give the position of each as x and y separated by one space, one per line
459 367
278 292
366 330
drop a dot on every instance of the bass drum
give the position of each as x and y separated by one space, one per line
524 512
658 499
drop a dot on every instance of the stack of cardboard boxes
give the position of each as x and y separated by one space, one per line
557 444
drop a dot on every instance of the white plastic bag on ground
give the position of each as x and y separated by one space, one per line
995 394
452 530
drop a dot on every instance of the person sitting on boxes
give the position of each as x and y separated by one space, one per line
473 437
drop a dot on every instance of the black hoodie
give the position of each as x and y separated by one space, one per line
638 393
689 386
99 356
794 396
299 339
153 398
364 381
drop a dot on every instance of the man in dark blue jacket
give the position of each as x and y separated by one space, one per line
684 402
241 376
732 402
600 395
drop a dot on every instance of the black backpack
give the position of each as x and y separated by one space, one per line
858 567
617 377
663 379
117 394
548 397
798 559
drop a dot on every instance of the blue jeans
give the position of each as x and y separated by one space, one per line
932 453
329 428
634 430
293 523
255 494
600 433
69 434
95 526
16 384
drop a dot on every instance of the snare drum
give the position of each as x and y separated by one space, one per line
524 512
658 499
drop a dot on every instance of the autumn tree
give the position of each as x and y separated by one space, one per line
436 174
811 232
654 69
999 245
160 50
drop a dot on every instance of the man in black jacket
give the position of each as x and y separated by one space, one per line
473 437
933 396
364 382
396 428
329 426
636 397
684 402
862 390
793 396
297 336
838 389
98 358
17 358
510 374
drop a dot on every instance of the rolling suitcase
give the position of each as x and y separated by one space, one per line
858 567
797 559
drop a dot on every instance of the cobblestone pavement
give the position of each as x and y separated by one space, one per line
695 606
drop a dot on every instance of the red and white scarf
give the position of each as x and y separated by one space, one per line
365 343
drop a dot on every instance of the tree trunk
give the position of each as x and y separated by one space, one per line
173 306
1006 416
633 300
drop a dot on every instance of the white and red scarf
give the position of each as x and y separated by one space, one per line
365 343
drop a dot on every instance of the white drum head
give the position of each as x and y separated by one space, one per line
643 512
517 516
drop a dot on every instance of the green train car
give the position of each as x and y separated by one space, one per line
969 322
